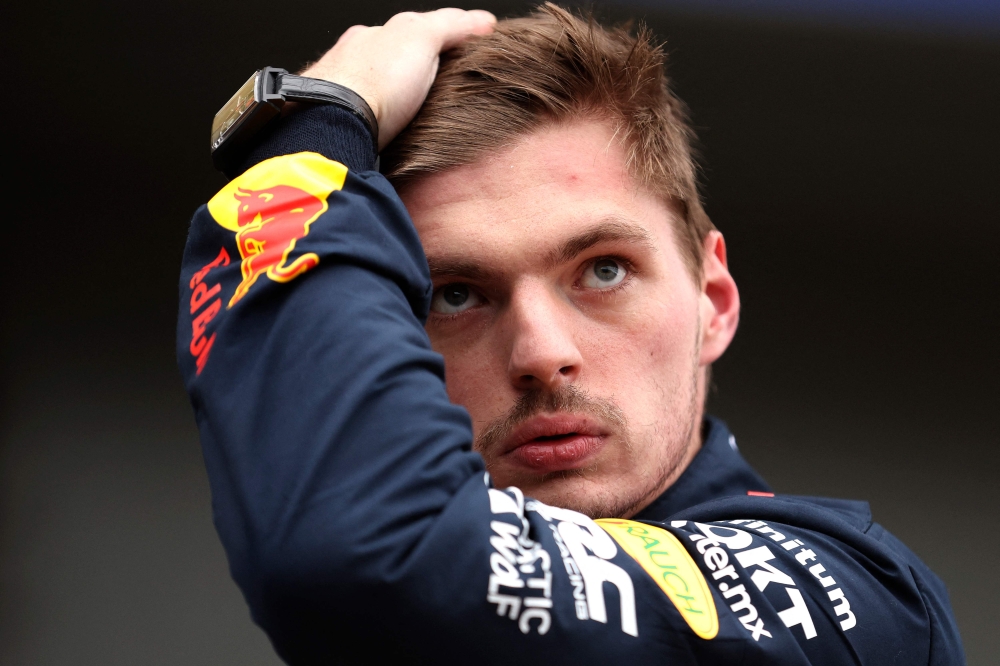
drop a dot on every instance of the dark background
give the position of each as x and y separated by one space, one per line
852 166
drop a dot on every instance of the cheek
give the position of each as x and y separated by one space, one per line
672 341
474 380
645 360
653 334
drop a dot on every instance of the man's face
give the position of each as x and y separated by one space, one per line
571 329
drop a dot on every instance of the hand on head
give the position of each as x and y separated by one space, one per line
393 66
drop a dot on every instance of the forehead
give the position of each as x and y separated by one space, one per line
554 182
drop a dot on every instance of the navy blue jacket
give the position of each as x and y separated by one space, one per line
362 527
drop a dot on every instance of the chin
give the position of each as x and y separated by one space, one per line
573 489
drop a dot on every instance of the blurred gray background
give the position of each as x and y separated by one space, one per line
851 159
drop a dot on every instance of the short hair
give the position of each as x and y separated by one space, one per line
554 66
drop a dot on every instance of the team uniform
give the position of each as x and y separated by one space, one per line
361 526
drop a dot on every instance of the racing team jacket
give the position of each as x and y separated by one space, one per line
361 527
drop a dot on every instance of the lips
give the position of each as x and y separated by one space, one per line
554 442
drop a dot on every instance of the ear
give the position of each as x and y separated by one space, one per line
720 300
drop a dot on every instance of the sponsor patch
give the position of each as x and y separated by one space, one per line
270 207
668 563
520 583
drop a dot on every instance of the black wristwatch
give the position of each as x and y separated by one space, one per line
259 101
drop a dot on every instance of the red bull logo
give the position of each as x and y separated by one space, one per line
270 222
270 207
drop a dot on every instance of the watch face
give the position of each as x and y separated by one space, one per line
235 109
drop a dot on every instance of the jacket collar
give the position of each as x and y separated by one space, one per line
717 470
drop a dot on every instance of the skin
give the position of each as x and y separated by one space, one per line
571 329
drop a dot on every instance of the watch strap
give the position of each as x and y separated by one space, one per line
295 88
257 105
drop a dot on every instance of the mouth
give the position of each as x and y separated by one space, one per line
554 442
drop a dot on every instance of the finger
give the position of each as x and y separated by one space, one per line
453 26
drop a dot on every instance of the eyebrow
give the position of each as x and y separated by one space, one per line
611 229
463 268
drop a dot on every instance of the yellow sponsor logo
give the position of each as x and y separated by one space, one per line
271 207
665 559
310 172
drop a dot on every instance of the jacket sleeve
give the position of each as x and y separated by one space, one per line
361 526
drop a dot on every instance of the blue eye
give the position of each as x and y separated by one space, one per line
603 273
454 298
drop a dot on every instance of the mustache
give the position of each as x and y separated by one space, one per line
570 399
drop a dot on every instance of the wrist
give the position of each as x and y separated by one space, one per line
261 103
358 84
331 131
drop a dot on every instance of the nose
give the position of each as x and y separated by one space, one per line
543 353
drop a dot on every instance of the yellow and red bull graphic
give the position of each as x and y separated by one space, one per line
270 208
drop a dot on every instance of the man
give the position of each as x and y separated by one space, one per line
565 271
